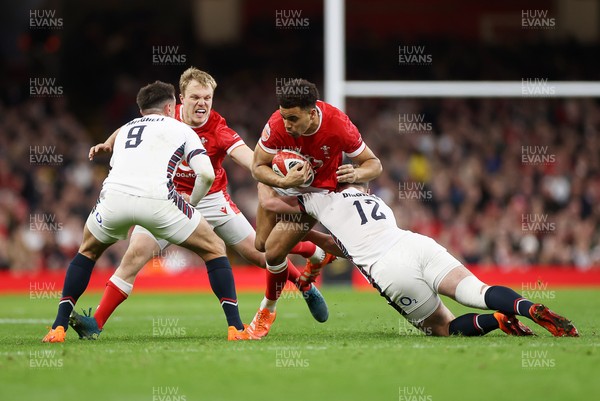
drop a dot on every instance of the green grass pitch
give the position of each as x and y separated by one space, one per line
173 347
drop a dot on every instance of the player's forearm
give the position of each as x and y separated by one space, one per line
110 141
243 156
368 170
205 176
106 146
325 242
271 202
201 187
266 175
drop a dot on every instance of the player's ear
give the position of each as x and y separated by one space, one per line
181 98
167 108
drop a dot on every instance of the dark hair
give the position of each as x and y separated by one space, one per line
155 95
297 93
343 185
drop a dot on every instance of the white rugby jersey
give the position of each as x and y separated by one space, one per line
363 226
146 153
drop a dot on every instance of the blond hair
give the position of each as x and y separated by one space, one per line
194 74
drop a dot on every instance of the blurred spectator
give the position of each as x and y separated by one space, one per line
497 181
514 187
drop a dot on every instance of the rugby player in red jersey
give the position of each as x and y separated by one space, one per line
323 134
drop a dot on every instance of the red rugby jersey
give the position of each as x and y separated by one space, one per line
335 134
219 140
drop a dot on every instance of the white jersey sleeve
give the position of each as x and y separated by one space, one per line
363 226
193 145
146 153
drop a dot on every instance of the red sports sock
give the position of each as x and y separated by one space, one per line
293 272
305 249
111 298
275 284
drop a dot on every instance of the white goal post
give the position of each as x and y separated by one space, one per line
337 88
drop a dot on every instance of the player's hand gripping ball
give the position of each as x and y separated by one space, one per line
285 160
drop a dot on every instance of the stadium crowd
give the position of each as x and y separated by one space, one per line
507 182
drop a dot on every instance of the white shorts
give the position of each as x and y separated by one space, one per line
222 214
115 213
409 274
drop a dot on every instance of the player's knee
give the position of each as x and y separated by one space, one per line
440 330
437 323
256 258
247 250
275 256
259 244
92 250
216 247
141 255
439 326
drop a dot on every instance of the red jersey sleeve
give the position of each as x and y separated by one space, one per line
230 138
353 142
226 137
273 136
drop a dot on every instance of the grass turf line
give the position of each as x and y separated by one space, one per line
173 347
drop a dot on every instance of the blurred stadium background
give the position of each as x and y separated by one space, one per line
506 184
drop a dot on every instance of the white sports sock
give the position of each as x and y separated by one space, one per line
277 268
121 284
318 256
468 292
269 304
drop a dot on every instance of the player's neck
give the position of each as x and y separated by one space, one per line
154 111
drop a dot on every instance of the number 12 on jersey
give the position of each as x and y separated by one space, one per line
375 213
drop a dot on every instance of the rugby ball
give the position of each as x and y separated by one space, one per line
285 160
